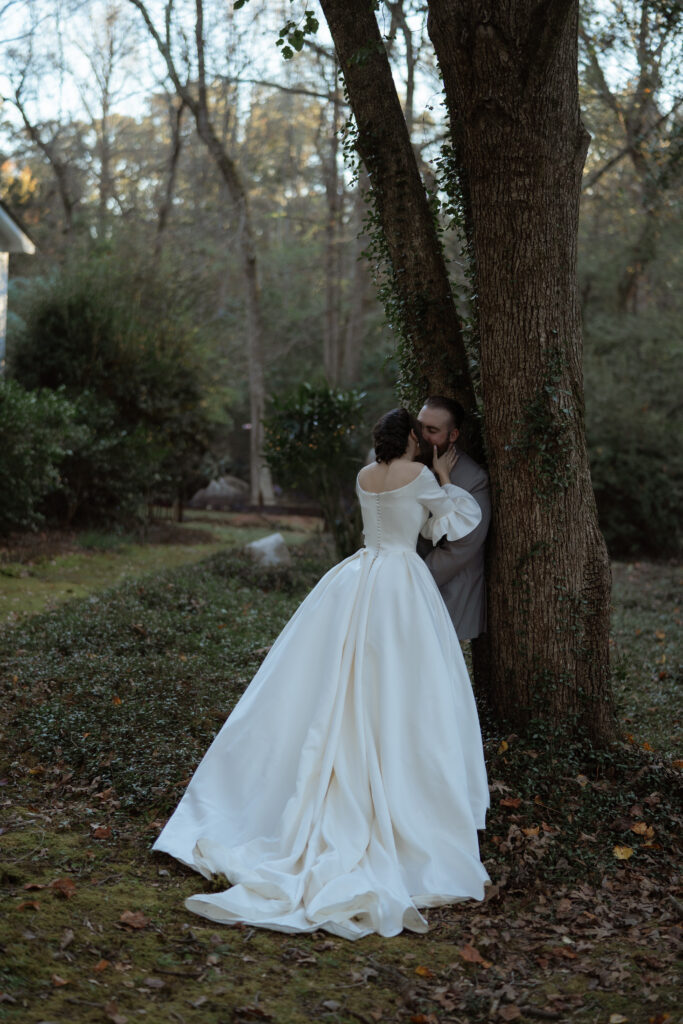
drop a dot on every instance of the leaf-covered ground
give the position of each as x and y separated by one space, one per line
107 703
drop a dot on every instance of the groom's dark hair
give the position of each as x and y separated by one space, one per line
449 405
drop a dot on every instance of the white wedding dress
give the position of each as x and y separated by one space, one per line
346 789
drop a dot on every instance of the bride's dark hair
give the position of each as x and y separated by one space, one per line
390 434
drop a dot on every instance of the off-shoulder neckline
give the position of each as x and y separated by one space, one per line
392 490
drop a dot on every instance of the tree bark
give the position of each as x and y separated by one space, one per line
425 309
510 76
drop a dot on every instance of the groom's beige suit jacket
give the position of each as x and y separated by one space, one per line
458 565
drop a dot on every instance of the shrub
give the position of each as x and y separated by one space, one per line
632 422
122 344
38 429
313 442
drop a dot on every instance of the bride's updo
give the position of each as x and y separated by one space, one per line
390 434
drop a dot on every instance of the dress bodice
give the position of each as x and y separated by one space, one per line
392 520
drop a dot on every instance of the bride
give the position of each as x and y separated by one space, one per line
346 789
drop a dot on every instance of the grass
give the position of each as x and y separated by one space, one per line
646 658
46 570
108 701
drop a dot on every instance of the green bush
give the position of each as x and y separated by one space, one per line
120 340
38 430
633 421
313 443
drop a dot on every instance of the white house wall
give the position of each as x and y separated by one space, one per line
4 273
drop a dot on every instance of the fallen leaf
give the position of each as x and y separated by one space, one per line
64 887
198 1002
562 951
660 634
331 1004
642 829
102 832
112 1012
116 700
58 981
510 1012
503 746
511 801
473 956
424 972
646 746
101 965
29 905
617 1018
66 939
582 780
253 1010
532 831
622 852
154 982
32 885
134 919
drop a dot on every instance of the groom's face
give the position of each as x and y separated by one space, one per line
438 428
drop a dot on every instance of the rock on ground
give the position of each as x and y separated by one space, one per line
270 550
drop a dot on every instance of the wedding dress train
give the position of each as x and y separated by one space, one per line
345 790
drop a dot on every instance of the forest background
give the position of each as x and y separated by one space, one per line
134 314
155 317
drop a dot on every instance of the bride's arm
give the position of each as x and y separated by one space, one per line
454 512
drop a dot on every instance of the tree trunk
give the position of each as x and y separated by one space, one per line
358 276
261 488
332 355
60 168
510 75
176 108
424 310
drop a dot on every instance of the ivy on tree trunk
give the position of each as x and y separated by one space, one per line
510 80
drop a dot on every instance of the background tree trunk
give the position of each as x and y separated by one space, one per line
176 109
194 96
510 75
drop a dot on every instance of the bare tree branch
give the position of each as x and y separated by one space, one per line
595 176
295 90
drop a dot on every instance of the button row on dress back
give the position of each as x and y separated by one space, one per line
379 523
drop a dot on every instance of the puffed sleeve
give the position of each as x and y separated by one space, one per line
454 512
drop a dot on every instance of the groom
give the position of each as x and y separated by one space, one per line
458 565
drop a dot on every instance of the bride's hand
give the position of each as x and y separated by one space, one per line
443 464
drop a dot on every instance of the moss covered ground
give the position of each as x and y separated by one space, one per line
108 700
